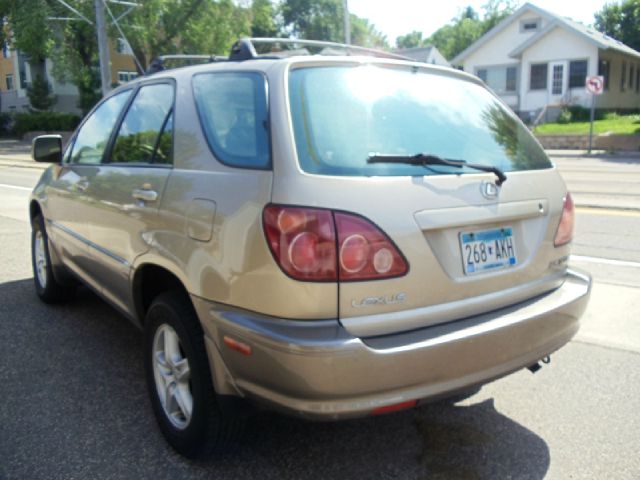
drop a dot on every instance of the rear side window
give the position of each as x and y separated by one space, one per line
234 116
94 134
344 115
145 135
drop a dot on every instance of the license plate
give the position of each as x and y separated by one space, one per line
487 250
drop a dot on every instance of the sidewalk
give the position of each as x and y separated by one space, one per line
17 153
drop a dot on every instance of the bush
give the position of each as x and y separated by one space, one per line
565 116
44 121
6 121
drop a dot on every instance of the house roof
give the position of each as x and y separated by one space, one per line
599 39
415 50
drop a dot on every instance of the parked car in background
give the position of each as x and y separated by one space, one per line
333 235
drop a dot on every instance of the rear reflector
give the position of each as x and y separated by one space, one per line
395 407
564 233
243 348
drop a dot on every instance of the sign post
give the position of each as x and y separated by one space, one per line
595 86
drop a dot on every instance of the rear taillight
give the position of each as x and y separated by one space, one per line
303 241
365 252
564 234
322 245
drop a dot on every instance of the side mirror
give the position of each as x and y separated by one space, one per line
47 148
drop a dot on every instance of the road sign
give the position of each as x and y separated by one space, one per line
595 84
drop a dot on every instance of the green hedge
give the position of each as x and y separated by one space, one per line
20 123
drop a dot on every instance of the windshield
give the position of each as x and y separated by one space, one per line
343 115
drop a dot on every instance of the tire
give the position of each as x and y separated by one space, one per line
47 287
178 377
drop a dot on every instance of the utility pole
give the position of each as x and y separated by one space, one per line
103 48
347 23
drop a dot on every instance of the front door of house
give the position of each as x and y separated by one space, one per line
557 82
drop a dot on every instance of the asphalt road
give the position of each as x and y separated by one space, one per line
74 403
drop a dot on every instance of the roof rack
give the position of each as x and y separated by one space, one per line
158 63
245 49
269 48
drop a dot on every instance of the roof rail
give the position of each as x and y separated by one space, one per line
158 63
245 49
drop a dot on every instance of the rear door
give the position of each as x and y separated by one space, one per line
125 190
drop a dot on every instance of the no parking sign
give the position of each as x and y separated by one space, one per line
595 84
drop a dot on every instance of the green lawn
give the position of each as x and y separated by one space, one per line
629 124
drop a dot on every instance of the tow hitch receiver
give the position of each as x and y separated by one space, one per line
536 366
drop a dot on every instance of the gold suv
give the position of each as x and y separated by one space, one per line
332 235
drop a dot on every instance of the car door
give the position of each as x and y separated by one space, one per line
125 189
68 207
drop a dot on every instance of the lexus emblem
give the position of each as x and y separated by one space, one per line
489 190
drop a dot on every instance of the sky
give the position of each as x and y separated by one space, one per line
399 17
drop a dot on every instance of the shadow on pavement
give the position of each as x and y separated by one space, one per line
75 406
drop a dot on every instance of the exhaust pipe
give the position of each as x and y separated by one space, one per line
536 366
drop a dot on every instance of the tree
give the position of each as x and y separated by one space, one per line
160 27
467 27
324 20
39 93
263 19
314 19
621 21
365 34
156 27
410 40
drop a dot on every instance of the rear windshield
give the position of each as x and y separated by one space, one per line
343 115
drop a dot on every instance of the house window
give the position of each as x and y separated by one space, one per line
124 77
604 66
631 75
123 47
499 79
529 25
538 78
623 76
9 80
638 79
511 79
6 51
577 73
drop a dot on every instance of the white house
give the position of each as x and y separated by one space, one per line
535 59
429 54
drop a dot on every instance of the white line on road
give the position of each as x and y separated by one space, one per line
605 261
16 187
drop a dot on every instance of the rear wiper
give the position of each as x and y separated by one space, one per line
422 159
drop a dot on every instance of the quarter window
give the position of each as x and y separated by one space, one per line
94 134
233 114
577 73
538 79
140 132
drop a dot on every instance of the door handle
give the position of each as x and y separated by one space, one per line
145 195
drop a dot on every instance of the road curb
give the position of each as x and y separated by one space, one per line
8 162
607 207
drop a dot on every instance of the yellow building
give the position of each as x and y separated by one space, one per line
16 73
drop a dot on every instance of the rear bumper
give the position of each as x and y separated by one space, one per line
317 369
